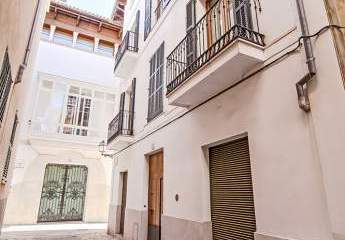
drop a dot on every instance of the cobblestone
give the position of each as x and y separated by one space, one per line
58 235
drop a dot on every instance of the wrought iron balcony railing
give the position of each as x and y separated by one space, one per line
121 125
130 43
223 23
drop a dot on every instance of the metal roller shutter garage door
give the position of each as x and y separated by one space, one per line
232 201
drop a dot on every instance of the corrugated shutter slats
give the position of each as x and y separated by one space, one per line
232 201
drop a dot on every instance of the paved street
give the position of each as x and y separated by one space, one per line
58 235
57 232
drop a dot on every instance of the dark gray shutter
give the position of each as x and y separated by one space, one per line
137 29
10 150
151 88
190 15
232 200
156 83
191 34
121 111
5 84
147 23
159 80
132 106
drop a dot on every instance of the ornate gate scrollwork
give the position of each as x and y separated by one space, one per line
63 193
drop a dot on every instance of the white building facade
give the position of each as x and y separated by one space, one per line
20 24
212 139
59 174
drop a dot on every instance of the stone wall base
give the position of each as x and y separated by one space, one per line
136 226
176 228
261 236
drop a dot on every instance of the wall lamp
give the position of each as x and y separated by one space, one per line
102 148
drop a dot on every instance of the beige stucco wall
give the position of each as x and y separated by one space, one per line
297 158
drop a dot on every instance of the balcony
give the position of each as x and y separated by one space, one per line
216 53
120 130
126 55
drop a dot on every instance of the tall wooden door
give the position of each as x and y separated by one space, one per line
155 197
63 193
124 177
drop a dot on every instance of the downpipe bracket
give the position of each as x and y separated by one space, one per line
303 93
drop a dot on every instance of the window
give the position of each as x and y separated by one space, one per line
63 37
9 151
66 108
45 34
156 84
77 115
5 84
85 42
147 23
106 48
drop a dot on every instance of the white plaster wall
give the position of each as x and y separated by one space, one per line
75 64
297 158
16 18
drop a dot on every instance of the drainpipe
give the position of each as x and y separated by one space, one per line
23 65
302 85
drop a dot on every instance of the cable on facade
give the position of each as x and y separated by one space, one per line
278 60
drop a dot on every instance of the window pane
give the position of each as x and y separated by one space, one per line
71 109
87 112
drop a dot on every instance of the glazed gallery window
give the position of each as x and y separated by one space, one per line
77 115
156 84
64 109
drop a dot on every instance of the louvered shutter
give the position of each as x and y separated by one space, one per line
132 105
9 151
151 88
232 201
190 15
121 110
191 34
147 23
159 80
137 29
5 84
156 83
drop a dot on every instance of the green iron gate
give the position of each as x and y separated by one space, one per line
63 193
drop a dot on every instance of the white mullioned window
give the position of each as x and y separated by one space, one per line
77 115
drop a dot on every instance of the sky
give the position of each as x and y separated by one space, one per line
100 7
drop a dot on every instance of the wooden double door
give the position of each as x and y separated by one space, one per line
155 196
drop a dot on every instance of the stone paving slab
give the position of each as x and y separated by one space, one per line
58 235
